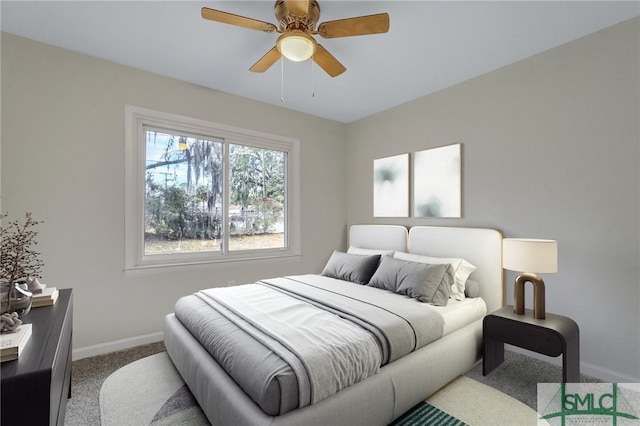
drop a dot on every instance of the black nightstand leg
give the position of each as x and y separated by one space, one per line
493 354
571 360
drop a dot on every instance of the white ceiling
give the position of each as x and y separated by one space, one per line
430 45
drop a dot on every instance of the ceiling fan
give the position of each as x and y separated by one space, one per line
297 20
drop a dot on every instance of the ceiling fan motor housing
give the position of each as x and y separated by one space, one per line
288 20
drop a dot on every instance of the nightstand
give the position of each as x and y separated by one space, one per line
556 335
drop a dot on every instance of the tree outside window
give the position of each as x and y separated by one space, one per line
184 210
257 197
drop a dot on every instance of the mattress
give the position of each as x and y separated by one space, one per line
269 379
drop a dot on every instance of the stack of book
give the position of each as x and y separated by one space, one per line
48 297
12 344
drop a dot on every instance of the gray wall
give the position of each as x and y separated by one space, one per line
550 149
63 160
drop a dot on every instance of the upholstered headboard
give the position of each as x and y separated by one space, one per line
480 246
384 237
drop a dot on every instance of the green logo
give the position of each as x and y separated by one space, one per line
588 403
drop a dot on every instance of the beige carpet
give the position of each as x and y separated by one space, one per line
479 405
151 392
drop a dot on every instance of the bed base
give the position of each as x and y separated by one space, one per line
377 400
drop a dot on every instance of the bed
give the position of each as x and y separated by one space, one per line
396 386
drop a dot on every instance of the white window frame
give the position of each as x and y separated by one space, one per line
136 118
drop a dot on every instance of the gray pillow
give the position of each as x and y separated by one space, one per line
472 288
351 267
427 283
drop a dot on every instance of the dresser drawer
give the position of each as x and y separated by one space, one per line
533 338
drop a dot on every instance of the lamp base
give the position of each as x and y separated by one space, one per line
538 294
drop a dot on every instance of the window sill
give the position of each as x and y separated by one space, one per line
257 260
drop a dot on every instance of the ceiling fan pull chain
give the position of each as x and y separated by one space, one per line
313 82
282 80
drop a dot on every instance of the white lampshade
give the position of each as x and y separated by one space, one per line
530 255
296 46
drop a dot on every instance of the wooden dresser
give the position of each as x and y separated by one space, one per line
35 387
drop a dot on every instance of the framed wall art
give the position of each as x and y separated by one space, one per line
437 182
391 186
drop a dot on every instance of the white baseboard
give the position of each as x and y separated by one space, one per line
604 374
117 345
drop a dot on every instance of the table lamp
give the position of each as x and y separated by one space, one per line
530 257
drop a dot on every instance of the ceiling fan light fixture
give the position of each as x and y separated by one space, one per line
296 45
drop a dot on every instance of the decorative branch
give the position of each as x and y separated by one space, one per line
18 260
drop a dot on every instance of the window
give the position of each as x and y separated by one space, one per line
199 192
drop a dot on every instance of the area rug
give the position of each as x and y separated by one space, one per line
477 404
151 392
148 391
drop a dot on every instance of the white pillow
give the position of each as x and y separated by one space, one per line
370 252
461 269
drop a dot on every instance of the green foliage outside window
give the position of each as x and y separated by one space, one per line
184 189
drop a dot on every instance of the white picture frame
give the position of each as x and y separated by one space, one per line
437 182
391 186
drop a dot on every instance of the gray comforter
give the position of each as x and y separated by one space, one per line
292 341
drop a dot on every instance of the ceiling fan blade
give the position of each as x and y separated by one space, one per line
241 21
361 25
327 62
298 7
270 58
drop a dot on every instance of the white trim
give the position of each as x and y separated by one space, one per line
588 369
255 260
135 119
118 345
606 375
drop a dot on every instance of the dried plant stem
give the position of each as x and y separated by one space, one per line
17 258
